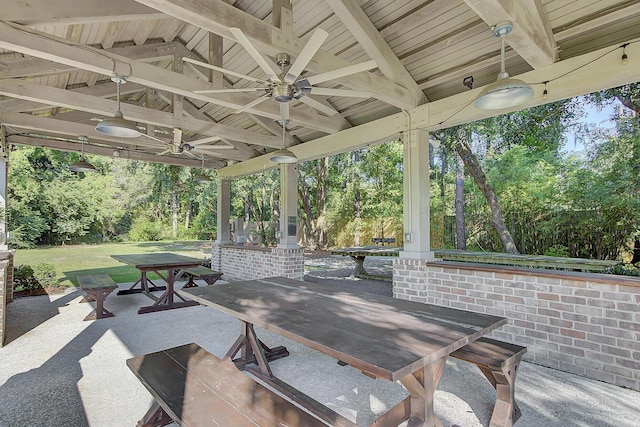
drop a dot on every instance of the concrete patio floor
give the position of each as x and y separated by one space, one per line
57 370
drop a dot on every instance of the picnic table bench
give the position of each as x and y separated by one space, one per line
498 361
208 275
97 287
194 388
383 240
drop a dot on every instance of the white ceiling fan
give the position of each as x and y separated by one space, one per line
287 84
178 146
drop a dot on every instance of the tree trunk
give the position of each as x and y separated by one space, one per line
461 235
321 202
463 149
174 213
187 217
357 205
309 233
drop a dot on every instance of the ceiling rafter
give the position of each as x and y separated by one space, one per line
35 43
532 36
218 17
63 98
41 12
370 39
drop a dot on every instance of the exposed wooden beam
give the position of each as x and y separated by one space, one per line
367 35
40 12
597 70
217 16
46 46
63 98
532 37
101 91
35 67
108 152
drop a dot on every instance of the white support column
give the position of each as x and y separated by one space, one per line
287 238
224 211
417 242
4 169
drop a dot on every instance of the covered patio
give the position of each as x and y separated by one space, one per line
75 374
228 85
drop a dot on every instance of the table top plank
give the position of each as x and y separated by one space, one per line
386 337
158 260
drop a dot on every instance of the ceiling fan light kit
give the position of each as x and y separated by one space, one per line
505 92
82 165
118 126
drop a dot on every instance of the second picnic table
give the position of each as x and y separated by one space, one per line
159 262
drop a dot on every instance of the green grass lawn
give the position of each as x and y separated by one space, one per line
72 261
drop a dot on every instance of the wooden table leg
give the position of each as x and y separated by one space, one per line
155 417
506 410
167 299
359 270
422 385
144 287
252 350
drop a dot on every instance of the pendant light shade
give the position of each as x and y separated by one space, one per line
118 126
82 165
202 178
505 92
283 155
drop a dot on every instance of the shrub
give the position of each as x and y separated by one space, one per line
24 279
557 251
45 274
144 230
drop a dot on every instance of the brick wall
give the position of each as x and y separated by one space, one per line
587 324
251 262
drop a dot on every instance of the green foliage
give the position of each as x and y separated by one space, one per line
624 270
24 279
45 274
146 230
557 251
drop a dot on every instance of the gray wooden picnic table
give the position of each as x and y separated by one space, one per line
159 263
381 336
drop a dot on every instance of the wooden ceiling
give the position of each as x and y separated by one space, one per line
57 58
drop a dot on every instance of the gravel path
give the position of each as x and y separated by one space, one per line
336 270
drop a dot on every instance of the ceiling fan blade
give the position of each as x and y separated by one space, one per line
222 70
284 112
342 72
164 152
153 138
252 104
204 140
189 153
308 51
329 111
340 92
245 89
255 54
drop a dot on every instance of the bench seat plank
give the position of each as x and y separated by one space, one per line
97 287
195 388
208 275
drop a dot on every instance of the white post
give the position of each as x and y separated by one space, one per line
417 242
224 211
287 234
4 168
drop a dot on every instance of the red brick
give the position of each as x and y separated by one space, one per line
573 333
549 297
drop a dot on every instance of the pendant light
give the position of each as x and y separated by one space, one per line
505 92
283 155
118 126
202 178
82 165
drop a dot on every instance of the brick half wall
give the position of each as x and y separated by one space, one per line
6 289
251 262
586 324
